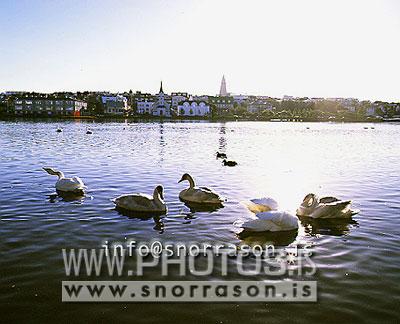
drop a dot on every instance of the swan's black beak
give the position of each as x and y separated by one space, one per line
181 180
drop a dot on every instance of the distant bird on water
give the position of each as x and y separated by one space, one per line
88 131
221 155
59 130
229 163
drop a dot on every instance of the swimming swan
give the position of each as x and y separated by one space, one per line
199 195
273 221
143 203
325 207
68 185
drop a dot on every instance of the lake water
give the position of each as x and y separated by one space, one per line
358 263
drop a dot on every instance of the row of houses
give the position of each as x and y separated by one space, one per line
160 104
166 105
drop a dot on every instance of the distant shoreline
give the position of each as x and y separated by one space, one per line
157 118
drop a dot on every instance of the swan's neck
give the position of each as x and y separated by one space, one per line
191 182
157 198
60 175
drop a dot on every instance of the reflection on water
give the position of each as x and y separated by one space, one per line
266 238
334 227
158 224
195 207
357 261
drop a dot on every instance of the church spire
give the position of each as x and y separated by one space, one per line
161 89
222 90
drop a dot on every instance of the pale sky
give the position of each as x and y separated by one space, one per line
300 48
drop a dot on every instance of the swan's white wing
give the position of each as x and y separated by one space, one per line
282 220
259 205
336 209
259 225
266 201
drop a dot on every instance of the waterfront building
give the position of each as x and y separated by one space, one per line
222 104
142 102
370 111
47 106
157 105
161 107
114 104
177 97
259 105
193 108
145 106
240 99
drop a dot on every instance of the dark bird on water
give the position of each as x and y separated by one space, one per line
89 131
229 163
59 130
221 155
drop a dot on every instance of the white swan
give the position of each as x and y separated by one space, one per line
198 195
143 203
325 207
259 205
273 221
67 185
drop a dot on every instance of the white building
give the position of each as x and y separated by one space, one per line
156 106
177 97
193 108
115 104
161 107
145 106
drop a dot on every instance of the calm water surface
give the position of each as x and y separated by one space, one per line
358 263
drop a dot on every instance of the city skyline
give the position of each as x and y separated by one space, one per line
335 49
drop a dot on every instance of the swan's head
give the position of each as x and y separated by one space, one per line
160 191
54 172
51 171
186 176
310 201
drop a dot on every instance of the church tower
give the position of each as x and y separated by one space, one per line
222 90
